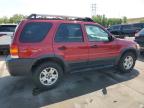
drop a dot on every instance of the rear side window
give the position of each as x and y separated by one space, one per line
69 33
35 32
7 28
116 27
127 27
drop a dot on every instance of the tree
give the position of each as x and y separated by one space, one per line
124 19
97 19
103 20
142 21
16 18
4 20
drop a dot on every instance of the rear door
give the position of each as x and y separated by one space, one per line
128 30
69 42
102 52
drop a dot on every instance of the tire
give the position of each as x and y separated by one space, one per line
124 66
47 75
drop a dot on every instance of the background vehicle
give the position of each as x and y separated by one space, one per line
6 35
46 47
123 30
139 38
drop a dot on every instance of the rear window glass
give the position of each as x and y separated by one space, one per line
35 32
69 33
116 27
137 26
127 27
7 28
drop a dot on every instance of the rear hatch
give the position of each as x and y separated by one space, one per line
29 40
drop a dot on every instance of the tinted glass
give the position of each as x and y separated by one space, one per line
69 33
7 28
127 27
143 25
96 33
116 27
141 32
137 26
35 31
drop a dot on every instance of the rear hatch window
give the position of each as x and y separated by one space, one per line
35 32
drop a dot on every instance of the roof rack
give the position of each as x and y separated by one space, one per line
58 17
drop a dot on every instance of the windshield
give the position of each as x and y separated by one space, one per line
141 31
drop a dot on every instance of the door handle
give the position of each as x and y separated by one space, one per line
62 48
93 46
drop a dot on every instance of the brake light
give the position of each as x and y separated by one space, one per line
14 51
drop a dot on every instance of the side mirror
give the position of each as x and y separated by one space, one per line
111 38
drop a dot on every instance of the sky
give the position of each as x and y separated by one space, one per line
82 8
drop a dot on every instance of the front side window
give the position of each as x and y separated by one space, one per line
69 33
96 33
35 32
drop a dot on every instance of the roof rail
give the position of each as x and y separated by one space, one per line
58 17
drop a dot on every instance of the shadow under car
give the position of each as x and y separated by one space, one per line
18 92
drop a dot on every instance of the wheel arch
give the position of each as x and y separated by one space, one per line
126 50
50 58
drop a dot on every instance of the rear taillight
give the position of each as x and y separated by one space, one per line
14 51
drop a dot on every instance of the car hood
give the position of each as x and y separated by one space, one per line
126 42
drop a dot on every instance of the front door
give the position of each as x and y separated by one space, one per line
101 50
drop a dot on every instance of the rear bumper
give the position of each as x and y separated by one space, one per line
19 67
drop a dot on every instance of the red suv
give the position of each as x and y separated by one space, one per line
46 47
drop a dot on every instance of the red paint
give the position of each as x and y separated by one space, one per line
74 51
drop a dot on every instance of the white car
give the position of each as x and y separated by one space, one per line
6 35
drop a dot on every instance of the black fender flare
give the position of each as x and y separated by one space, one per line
129 49
51 57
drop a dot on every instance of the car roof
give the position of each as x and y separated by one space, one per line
60 21
58 18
